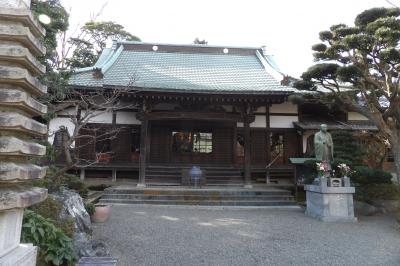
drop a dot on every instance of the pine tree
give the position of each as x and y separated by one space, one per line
346 148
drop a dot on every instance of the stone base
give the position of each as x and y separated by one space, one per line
332 218
330 204
23 255
10 230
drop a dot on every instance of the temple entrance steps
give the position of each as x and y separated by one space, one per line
274 175
216 176
207 196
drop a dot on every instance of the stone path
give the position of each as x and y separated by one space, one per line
166 235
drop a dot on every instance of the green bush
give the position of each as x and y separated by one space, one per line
73 182
363 175
55 247
371 192
90 208
99 187
51 209
311 165
347 150
41 183
309 179
54 184
310 171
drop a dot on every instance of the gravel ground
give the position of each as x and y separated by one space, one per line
167 235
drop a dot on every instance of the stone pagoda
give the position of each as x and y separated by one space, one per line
20 44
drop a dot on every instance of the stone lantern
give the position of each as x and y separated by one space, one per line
20 44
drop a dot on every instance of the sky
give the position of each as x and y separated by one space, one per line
288 28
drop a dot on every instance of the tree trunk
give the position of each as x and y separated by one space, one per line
395 147
68 160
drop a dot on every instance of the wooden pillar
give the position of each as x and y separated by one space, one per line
148 140
268 143
234 147
114 175
82 174
247 152
143 152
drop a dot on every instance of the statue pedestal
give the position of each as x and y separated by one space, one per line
330 204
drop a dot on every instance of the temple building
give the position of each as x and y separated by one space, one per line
224 109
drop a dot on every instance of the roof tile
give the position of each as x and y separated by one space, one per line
184 71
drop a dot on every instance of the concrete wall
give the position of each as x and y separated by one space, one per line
282 121
123 118
283 115
277 120
283 108
127 118
261 109
101 117
68 111
355 116
259 122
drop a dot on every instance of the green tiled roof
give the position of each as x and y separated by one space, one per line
187 68
349 125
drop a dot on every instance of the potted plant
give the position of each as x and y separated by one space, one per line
101 213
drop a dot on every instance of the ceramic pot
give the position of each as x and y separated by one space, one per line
101 213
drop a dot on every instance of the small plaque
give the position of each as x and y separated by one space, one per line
335 182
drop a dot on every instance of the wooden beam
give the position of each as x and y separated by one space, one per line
209 116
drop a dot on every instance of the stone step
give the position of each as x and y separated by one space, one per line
97 261
196 197
231 185
200 191
178 175
225 181
151 174
175 166
203 202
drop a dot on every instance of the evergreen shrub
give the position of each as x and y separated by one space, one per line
55 247
50 209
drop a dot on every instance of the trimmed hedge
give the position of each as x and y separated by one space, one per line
363 175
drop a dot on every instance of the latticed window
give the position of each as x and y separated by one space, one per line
202 142
192 142
103 145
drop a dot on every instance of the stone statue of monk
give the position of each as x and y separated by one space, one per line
323 145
